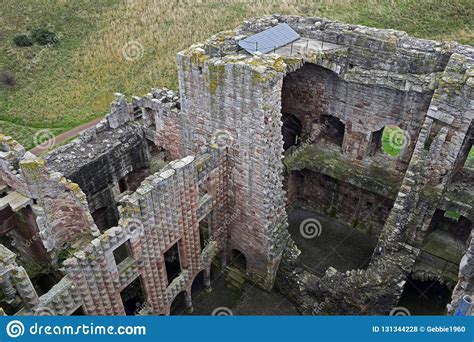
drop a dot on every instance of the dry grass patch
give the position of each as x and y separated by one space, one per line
74 82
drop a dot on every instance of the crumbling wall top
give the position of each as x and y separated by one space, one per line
371 48
374 48
159 97
92 143
359 54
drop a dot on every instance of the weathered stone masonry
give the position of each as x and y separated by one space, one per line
114 186
169 199
230 97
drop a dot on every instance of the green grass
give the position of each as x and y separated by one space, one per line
452 214
470 159
42 73
73 82
393 140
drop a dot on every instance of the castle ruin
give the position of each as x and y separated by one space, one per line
172 183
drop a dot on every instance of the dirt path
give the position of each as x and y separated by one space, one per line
58 140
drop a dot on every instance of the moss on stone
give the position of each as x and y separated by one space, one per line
198 57
266 68
213 85
200 167
280 65
32 164
223 36
63 255
183 64
216 76
129 210
8 140
392 43
332 163
293 63
75 187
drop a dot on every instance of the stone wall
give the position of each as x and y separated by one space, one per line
161 108
150 229
432 166
356 207
57 208
384 61
369 48
241 97
14 282
164 210
312 92
20 232
100 158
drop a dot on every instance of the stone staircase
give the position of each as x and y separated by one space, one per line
234 278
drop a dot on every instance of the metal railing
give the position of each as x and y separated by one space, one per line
292 46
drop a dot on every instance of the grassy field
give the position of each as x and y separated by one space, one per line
72 82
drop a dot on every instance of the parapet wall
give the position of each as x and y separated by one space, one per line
369 48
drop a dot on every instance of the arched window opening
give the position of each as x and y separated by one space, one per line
291 131
376 142
179 306
238 260
332 130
